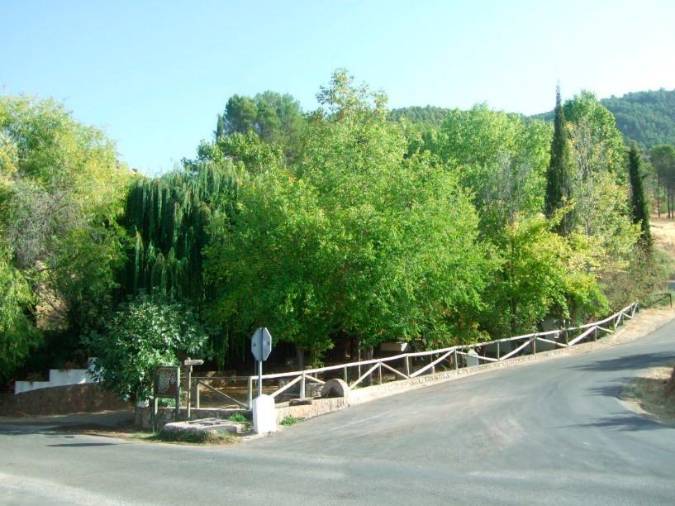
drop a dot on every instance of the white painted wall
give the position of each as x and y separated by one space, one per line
57 378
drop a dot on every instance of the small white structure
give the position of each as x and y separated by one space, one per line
57 378
472 359
264 414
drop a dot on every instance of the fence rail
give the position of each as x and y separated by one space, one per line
294 384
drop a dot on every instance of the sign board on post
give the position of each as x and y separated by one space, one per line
261 344
261 347
167 385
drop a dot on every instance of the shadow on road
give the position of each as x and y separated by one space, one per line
625 422
81 445
631 362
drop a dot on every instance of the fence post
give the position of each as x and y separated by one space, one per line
595 334
498 350
407 365
345 375
534 345
456 364
379 372
302 385
197 403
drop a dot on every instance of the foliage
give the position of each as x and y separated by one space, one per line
239 418
140 336
663 160
18 335
647 117
559 174
289 420
276 118
500 158
430 116
639 210
541 274
168 219
61 192
354 239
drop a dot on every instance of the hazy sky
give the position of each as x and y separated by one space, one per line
154 75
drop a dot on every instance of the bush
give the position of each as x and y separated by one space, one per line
142 335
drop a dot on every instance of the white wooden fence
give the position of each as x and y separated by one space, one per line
410 365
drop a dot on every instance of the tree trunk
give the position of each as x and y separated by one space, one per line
300 357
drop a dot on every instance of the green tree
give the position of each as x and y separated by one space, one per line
18 335
639 209
558 176
62 192
501 158
663 160
139 337
354 239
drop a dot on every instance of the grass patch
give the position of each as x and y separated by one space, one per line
238 418
289 420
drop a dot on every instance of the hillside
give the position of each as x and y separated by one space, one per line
645 116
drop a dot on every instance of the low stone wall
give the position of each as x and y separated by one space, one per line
316 408
86 398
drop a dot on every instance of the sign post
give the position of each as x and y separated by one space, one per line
189 362
264 413
261 347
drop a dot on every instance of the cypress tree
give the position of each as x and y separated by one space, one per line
639 209
558 176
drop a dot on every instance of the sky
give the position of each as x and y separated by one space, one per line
154 74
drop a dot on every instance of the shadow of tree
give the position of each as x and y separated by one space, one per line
626 422
631 362
81 445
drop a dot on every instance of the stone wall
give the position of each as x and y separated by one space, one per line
86 398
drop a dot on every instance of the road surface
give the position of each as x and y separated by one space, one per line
551 432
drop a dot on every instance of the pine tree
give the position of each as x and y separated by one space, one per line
558 176
639 210
220 127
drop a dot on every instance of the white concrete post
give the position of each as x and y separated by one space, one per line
264 414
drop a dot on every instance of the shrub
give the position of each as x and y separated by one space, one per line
142 335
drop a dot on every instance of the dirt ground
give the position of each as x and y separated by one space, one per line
648 394
663 232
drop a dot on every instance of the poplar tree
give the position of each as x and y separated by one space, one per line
558 176
639 210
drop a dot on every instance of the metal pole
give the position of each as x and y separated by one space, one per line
259 378
250 392
302 386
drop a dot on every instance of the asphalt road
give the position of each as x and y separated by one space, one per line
551 432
